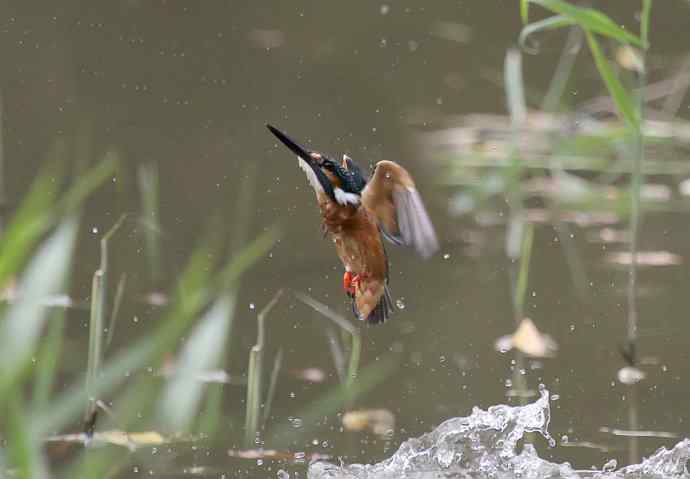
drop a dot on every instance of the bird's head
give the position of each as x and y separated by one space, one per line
342 181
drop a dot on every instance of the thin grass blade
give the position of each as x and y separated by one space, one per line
273 381
524 11
88 182
644 22
255 374
624 103
99 301
149 192
117 303
523 275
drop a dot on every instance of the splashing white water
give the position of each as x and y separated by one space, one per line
483 445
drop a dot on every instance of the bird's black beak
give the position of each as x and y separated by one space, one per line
295 147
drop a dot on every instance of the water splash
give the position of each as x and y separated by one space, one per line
483 445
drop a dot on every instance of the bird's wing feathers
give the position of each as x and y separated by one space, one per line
413 221
393 199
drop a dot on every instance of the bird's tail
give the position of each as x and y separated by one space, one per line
381 312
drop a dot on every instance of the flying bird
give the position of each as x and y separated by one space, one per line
358 213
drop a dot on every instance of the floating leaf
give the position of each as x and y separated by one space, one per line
310 375
130 440
630 58
529 340
630 375
379 421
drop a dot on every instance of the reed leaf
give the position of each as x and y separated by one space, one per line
591 20
624 103
182 394
24 320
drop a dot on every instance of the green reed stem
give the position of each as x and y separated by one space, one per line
636 184
255 373
97 318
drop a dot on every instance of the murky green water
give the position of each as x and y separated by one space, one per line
189 86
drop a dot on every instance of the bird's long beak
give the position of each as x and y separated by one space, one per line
295 147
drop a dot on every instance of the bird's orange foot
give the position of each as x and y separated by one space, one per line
349 284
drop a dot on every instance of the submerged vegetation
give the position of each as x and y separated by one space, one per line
158 400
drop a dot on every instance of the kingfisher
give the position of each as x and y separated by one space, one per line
358 213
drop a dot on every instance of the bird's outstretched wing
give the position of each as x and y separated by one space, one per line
392 197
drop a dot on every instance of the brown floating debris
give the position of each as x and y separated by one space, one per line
379 421
274 454
529 340
130 440
645 258
156 298
630 58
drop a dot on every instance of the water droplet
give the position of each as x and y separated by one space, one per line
400 303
